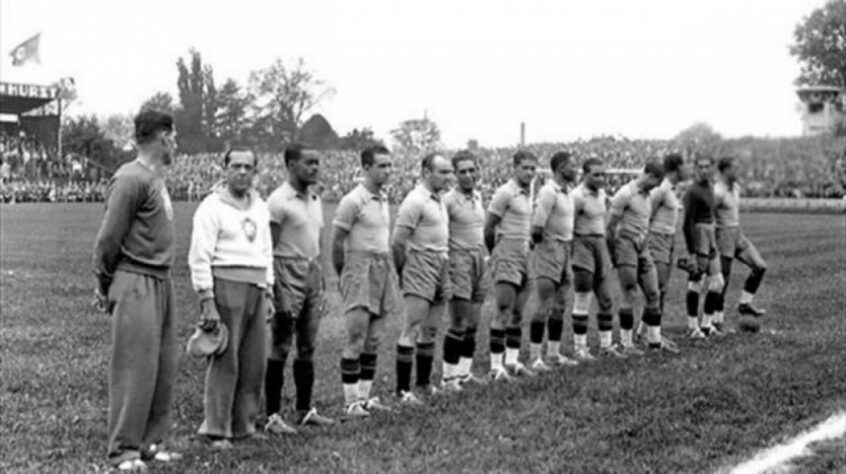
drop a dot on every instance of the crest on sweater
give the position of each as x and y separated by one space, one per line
250 228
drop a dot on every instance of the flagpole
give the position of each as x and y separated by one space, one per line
59 131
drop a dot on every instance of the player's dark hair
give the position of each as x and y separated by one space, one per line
523 155
464 155
294 152
558 159
590 163
368 156
725 163
673 162
654 168
227 155
149 123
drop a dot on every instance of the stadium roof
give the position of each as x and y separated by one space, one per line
17 98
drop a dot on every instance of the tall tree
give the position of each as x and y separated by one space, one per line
699 138
821 46
161 101
281 97
120 129
231 118
195 119
317 132
84 136
417 135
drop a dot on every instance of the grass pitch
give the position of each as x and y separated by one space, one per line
708 408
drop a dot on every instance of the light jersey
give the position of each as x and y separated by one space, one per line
665 208
423 212
466 219
511 204
634 207
726 204
365 216
589 207
554 212
300 218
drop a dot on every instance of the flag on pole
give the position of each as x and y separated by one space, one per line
26 52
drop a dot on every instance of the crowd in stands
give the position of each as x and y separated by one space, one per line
797 168
32 172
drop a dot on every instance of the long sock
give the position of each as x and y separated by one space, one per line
626 325
304 381
350 370
554 329
468 349
497 346
513 337
425 357
692 302
453 342
273 381
580 329
405 361
711 300
652 319
605 321
368 373
753 282
536 329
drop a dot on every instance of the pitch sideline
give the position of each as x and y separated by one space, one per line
777 457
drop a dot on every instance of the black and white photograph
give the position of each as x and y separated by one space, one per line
468 236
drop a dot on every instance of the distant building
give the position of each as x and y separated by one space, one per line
822 108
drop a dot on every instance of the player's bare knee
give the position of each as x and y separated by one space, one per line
716 283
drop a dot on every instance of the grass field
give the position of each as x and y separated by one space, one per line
710 407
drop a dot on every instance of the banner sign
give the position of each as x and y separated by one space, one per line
28 90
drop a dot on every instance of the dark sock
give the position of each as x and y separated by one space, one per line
497 341
513 337
555 327
626 318
468 348
536 329
580 324
368 366
304 381
754 281
424 358
273 381
405 361
692 300
453 342
605 321
712 298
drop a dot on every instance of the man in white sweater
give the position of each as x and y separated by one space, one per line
232 272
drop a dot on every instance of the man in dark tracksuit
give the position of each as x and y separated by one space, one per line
133 253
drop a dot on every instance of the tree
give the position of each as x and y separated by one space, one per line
699 137
195 120
120 129
318 133
281 97
821 46
358 140
161 101
231 118
83 136
417 136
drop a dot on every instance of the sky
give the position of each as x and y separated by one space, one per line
478 68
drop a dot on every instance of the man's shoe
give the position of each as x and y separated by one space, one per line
696 333
663 346
538 366
355 411
430 390
452 385
132 465
311 417
749 310
631 351
583 354
221 444
471 379
158 453
520 370
613 351
275 424
409 399
560 360
500 375
374 404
